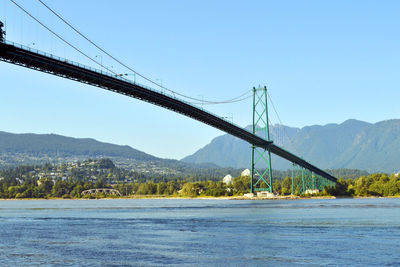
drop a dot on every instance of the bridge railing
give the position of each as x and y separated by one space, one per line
169 94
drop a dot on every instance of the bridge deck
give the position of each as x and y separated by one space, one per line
16 54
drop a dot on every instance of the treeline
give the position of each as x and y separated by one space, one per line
48 188
371 185
41 182
380 185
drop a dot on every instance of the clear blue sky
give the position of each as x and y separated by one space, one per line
323 61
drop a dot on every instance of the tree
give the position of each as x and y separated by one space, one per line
392 188
76 192
190 190
100 184
149 188
26 194
287 186
162 188
60 189
361 186
45 185
241 185
277 186
172 187
14 190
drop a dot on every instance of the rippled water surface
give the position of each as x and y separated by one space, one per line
144 232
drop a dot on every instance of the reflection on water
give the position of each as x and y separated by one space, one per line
145 232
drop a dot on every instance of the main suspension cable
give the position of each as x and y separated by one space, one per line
62 39
202 101
231 101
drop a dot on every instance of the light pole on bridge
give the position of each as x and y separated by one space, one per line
101 60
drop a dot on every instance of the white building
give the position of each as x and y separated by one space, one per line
245 172
311 191
228 179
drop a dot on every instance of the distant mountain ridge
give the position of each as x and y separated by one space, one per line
38 149
61 146
230 151
351 144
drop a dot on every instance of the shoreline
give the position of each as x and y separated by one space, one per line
200 198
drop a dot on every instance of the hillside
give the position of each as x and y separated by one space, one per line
352 144
38 149
61 146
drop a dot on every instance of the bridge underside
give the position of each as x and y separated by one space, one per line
33 59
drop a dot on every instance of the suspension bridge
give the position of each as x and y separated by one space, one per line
305 176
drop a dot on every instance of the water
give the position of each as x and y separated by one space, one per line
145 232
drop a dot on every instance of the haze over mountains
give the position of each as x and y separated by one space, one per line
352 144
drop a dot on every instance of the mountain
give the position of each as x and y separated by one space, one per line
230 151
352 144
38 149
53 145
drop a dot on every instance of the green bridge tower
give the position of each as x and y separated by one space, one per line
261 170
